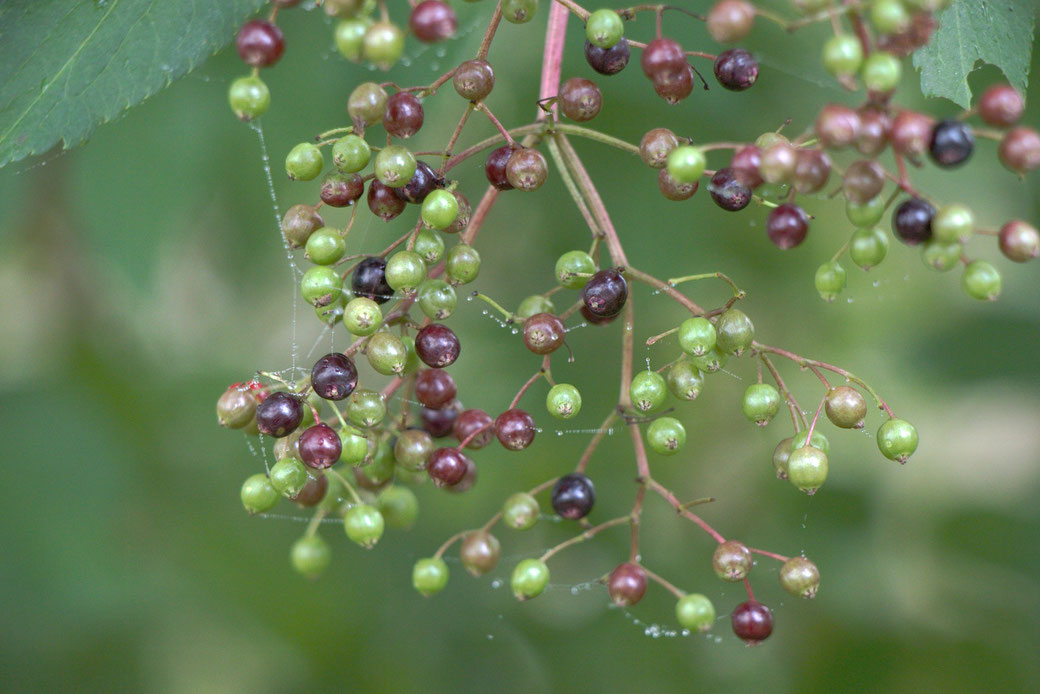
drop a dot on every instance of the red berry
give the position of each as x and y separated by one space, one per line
260 43
469 423
404 114
434 388
320 446
433 20
543 333
437 345
1001 105
446 467
787 226
515 429
752 621
626 584
495 167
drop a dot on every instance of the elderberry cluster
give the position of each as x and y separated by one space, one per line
353 446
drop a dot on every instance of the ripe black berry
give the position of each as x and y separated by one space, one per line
752 621
580 99
439 423
736 69
912 221
495 167
597 320
260 43
573 496
952 143
605 293
434 388
728 190
476 424
433 20
446 467
369 280
515 429
543 333
787 226
334 376
383 200
279 414
404 114
423 182
437 345
320 446
607 61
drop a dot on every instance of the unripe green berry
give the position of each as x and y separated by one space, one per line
881 72
437 299
761 403
325 246
695 612
258 494
366 408
364 525
604 28
350 37
734 332
781 454
686 164
684 380
842 55
383 44
321 286
463 264
953 223
386 354
534 304
697 336
430 576
479 552
304 162
897 439
413 448
563 401
830 280
981 281
395 166
941 257
398 506
647 391
529 579
818 441
311 555
362 316
288 476
519 11
430 246
574 268
439 209
889 16
800 577
354 446
666 436
711 361
351 153
405 271
845 407
249 98
865 214
868 247
520 511
382 468
807 468
412 363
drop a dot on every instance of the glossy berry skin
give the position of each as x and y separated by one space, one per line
543 333
479 552
778 161
685 380
697 335
404 114
321 286
734 332
289 476
249 98
695 612
1020 150
495 167
837 126
580 99
807 468
361 316
752 621
736 69
728 190
662 58
405 271
656 145
952 143
468 479
605 293
325 246
534 304
1019 241
462 264
310 556
446 467
981 280
353 445
573 269
369 280
812 169
462 219
672 189
413 448
434 388
258 495
341 190
800 577
604 28
608 61
320 446
475 425
260 43
911 133
439 209
422 183
351 153
529 579
437 298
881 72
875 127
843 55
647 391
868 247
367 103
520 511
863 181
437 345
594 319
761 403
626 584
384 202
666 436
865 214
394 166
845 407
781 454
304 162
1001 106
515 429
364 525
474 79
573 496
912 221
386 354
686 164
787 226
519 11
429 576
818 441
398 506
313 492
366 408
279 414
383 44
830 280
350 37
439 423
299 222
236 407
432 21
731 560
563 401
745 165
526 169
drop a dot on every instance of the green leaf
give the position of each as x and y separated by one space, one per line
67 66
998 32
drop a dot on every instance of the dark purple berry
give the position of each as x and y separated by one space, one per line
369 280
736 69
495 167
787 226
626 584
260 43
952 143
475 425
383 200
728 190
605 293
607 61
341 190
320 446
404 114
439 423
279 414
752 621
912 221
573 496
596 320
423 182
515 429
446 467
313 492
434 388
334 376
437 345
432 21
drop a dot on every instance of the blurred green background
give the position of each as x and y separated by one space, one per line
142 273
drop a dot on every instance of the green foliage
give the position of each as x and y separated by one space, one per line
997 32
69 67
